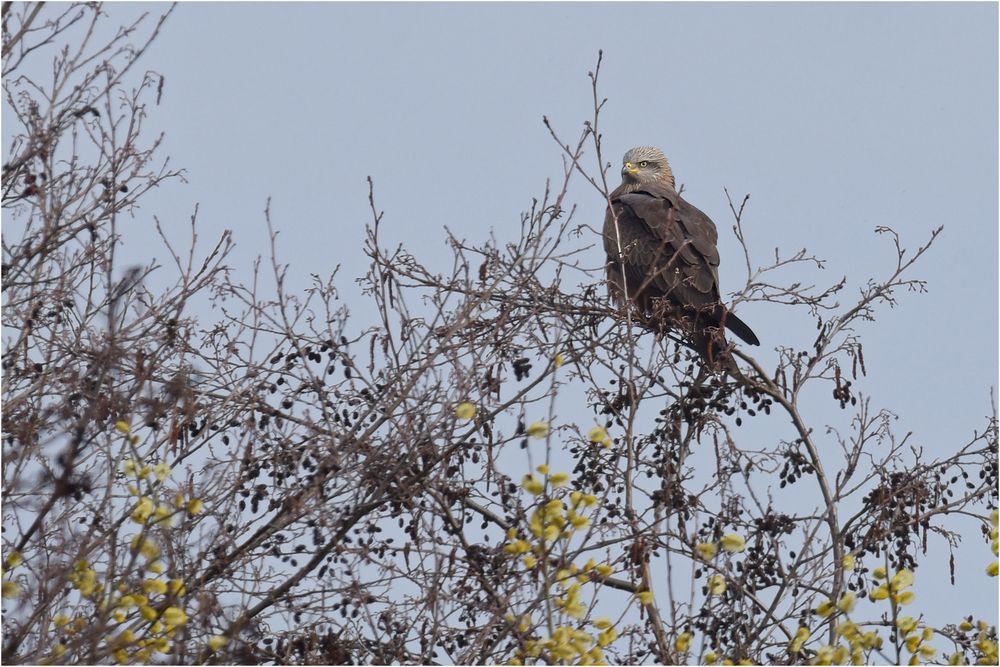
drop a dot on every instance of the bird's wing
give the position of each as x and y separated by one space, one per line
668 247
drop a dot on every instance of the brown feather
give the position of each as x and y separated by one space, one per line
662 254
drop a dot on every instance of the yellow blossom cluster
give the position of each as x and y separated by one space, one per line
567 645
986 644
731 543
11 589
859 645
558 513
599 435
994 568
894 588
142 609
855 644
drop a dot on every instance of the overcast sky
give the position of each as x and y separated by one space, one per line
835 118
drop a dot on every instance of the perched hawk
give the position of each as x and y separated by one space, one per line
662 254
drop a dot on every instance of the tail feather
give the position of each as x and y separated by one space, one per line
740 328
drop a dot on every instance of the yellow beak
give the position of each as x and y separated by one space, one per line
631 168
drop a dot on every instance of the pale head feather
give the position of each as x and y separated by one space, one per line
655 170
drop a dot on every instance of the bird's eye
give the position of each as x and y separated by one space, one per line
643 163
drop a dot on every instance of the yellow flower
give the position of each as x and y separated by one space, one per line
58 650
993 568
195 506
164 515
645 597
824 656
800 638
14 559
177 587
532 485
10 590
465 410
559 360
525 622
217 642
121 655
880 572
530 561
123 426
907 624
157 567
145 546
901 580
880 593
143 510
826 609
683 642
711 658
849 562
544 469
603 623
160 645
148 612
706 550
576 610
517 547
605 570
162 470
848 630
60 620
607 637
906 597
154 586
733 543
716 584
847 602
560 479
538 430
598 434
175 616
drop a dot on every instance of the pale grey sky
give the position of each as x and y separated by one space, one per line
836 118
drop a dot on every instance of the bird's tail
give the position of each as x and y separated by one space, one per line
739 327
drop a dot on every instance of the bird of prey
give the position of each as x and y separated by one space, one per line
662 256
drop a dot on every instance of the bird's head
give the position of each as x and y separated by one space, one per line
644 165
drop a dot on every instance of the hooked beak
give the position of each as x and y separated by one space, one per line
629 168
